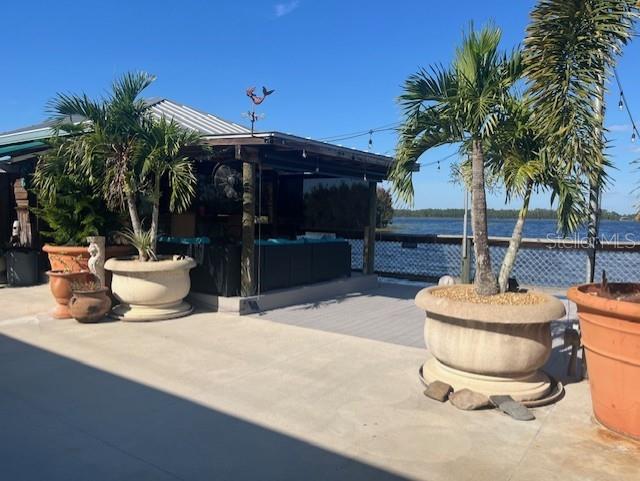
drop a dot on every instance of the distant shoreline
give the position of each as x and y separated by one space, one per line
542 214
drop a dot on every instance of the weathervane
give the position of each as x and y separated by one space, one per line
256 100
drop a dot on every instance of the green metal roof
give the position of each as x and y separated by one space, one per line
19 148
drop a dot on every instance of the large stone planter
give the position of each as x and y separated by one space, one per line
150 291
611 336
488 348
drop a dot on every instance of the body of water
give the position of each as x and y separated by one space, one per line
610 230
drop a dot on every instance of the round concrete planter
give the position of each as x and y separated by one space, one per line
150 291
611 335
488 348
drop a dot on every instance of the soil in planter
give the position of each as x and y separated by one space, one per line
467 293
626 292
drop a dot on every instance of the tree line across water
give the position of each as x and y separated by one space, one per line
498 214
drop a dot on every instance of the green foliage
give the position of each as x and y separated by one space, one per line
126 152
495 214
68 202
451 105
384 207
342 206
570 49
141 241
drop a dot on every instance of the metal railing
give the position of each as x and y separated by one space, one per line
540 262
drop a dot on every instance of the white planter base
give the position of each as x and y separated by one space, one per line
128 312
529 387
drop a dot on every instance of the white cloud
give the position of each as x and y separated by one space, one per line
619 128
282 9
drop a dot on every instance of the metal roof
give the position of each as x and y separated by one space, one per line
190 118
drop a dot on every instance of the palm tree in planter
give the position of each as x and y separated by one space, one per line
481 340
131 154
517 155
571 48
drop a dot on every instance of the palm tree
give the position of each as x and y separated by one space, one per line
165 143
464 102
517 155
127 152
570 49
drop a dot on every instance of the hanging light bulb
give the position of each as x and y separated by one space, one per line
633 136
317 166
370 139
365 176
304 153
438 165
620 102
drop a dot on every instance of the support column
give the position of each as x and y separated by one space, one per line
247 270
369 246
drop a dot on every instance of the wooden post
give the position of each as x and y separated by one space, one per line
22 211
247 270
369 251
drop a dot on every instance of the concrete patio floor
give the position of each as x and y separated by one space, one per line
214 396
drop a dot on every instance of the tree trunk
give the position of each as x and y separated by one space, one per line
514 244
485 281
595 180
135 221
155 214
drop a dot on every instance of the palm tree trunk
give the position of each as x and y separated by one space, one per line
514 244
135 221
155 214
485 281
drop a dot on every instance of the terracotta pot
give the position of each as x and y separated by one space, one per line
611 336
90 306
149 291
488 348
61 288
76 258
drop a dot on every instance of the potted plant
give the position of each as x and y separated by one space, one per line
609 317
480 339
568 73
61 285
90 301
71 207
131 154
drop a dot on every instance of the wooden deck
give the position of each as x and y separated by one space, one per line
385 314
388 314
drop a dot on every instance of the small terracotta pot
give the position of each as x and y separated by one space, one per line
61 288
611 335
90 306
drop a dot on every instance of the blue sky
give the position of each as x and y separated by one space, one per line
337 66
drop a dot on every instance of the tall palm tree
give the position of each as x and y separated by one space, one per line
570 49
120 146
464 102
517 155
164 155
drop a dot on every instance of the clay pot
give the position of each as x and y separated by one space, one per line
491 349
149 291
611 336
90 306
76 258
61 287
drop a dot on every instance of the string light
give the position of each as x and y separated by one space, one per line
623 103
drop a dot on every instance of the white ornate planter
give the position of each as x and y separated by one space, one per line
488 348
150 291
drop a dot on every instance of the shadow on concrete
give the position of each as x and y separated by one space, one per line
63 420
